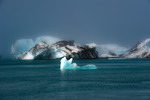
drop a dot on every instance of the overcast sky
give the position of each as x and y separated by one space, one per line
122 22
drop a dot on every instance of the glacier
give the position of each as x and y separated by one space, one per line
110 50
68 65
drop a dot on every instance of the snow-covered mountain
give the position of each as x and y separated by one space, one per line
42 50
140 50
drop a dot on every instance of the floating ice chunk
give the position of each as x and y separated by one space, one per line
67 64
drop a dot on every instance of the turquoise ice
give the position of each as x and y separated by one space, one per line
67 64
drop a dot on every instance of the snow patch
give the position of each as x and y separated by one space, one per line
145 43
29 56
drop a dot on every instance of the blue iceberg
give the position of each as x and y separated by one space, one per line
68 65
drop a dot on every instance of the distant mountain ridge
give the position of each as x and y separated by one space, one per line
140 50
67 48
42 51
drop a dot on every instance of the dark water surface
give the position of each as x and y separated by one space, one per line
115 79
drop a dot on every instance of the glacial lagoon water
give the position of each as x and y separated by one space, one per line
114 79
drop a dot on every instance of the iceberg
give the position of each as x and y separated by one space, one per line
68 65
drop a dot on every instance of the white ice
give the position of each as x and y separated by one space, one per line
67 64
